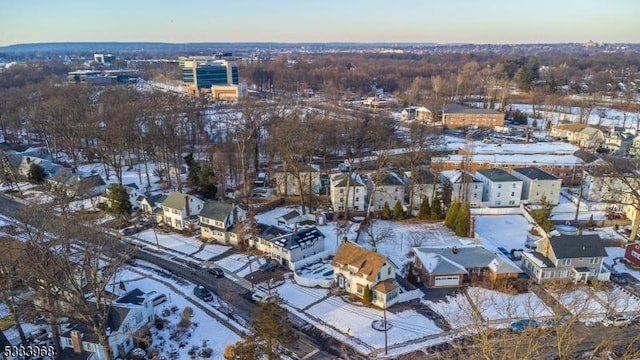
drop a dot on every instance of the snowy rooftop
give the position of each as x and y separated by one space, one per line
517 159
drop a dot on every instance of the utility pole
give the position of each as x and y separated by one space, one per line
579 194
384 323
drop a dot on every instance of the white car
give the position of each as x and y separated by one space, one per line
616 320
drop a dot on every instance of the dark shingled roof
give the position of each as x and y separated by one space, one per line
585 156
293 240
577 246
135 297
423 176
498 175
535 174
216 210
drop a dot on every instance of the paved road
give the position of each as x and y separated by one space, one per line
307 347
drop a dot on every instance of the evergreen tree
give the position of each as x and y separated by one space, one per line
590 223
272 330
367 295
436 209
386 211
542 216
425 210
398 211
463 221
119 204
36 173
452 214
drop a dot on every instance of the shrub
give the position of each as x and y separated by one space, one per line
187 312
206 353
386 211
367 295
425 209
452 214
398 211
184 323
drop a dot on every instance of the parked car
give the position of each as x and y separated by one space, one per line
522 325
202 293
258 297
127 231
616 320
217 272
618 278
157 298
270 265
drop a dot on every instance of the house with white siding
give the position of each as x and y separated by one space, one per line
500 188
538 184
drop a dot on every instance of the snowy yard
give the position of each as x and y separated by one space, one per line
499 307
356 321
456 310
507 231
582 303
182 244
298 296
617 252
619 300
233 263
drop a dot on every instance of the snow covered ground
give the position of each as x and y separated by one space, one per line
298 296
497 307
612 117
183 244
507 231
456 310
582 303
617 253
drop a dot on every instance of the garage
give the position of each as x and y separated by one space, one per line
446 281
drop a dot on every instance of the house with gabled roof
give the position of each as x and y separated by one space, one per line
126 318
133 192
578 258
538 184
619 140
216 220
453 266
341 184
76 185
355 268
459 185
289 218
289 246
180 211
500 188
425 186
611 179
293 178
385 187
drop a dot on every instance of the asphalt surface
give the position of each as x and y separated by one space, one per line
311 345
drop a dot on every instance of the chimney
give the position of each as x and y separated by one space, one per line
76 341
186 205
454 249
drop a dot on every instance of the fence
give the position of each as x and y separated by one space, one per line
310 260
312 282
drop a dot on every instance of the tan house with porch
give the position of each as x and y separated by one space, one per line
355 268
570 257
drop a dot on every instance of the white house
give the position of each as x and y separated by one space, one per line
500 188
425 186
385 187
537 184
355 268
133 193
180 211
609 181
288 247
635 146
459 185
341 186
298 177
126 318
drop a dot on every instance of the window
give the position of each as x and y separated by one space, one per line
513 193
565 262
593 260
357 190
514 185
357 199
389 270
499 186
341 191
360 289
498 195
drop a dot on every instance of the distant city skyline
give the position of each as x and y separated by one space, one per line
452 21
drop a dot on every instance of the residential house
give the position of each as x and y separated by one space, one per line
453 266
216 220
289 218
26 161
425 186
610 180
180 211
419 113
632 254
76 185
347 193
500 188
567 131
567 257
635 147
133 193
460 185
461 116
150 204
294 178
538 184
619 141
126 319
631 210
355 268
384 187
288 247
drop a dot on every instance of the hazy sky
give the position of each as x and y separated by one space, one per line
441 21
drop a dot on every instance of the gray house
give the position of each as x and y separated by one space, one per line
288 247
572 257
216 219
537 184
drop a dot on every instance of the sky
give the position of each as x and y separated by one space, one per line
392 21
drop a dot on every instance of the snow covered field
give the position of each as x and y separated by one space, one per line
582 303
507 231
497 307
298 296
182 244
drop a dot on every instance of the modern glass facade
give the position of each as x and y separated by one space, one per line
207 75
